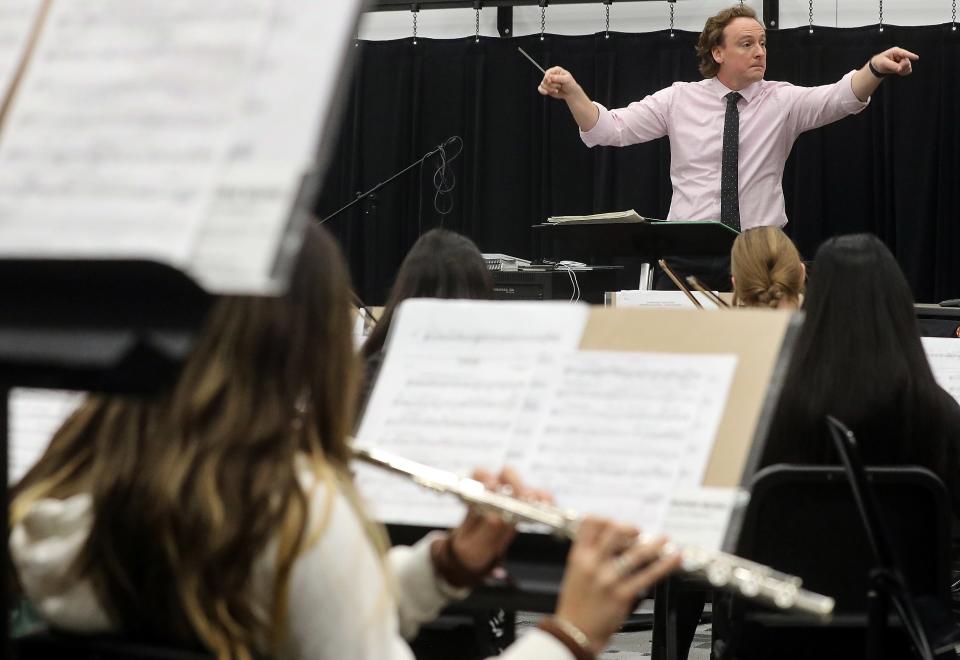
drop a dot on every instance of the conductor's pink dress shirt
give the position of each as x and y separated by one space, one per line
772 115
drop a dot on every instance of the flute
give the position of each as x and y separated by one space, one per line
749 579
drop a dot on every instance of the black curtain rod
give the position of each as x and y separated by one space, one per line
771 8
408 5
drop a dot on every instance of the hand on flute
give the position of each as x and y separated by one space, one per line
607 570
482 538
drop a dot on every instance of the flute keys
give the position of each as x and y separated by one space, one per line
719 573
785 596
748 582
694 559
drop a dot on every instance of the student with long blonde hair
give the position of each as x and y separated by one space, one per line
766 270
221 514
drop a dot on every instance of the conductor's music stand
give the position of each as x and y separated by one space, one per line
619 242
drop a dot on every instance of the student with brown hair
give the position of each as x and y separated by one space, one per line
222 513
766 270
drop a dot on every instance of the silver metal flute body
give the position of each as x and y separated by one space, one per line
721 570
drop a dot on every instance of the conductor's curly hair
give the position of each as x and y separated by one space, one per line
712 36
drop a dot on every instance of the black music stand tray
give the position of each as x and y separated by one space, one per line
119 326
642 241
928 624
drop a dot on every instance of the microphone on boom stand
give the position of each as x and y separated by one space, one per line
441 185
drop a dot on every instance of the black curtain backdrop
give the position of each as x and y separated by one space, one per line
893 170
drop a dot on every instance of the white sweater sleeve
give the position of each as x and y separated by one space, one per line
421 593
341 603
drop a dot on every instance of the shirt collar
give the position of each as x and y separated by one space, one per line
748 93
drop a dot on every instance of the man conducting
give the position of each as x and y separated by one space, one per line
730 133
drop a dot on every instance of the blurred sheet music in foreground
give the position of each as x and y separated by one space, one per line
17 18
177 131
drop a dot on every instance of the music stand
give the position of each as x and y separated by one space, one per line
632 242
650 240
117 326
886 583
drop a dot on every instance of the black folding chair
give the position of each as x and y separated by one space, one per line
927 620
802 520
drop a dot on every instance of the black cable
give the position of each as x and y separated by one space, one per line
441 186
444 180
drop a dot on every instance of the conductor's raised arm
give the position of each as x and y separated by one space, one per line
891 62
560 83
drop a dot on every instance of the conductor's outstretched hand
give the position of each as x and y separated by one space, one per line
893 61
559 83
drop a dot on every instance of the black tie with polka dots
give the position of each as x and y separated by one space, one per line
729 175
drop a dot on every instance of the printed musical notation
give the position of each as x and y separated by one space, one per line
17 19
174 130
470 385
944 357
662 299
623 430
452 391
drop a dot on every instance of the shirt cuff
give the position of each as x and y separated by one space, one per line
603 128
417 578
848 100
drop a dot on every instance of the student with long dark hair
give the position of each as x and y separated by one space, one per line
859 358
222 513
441 264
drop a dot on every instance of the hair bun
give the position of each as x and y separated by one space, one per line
772 296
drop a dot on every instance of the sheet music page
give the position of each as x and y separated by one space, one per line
35 415
944 356
287 100
662 299
169 130
624 430
700 516
17 19
453 390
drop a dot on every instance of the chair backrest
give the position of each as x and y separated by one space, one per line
803 520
